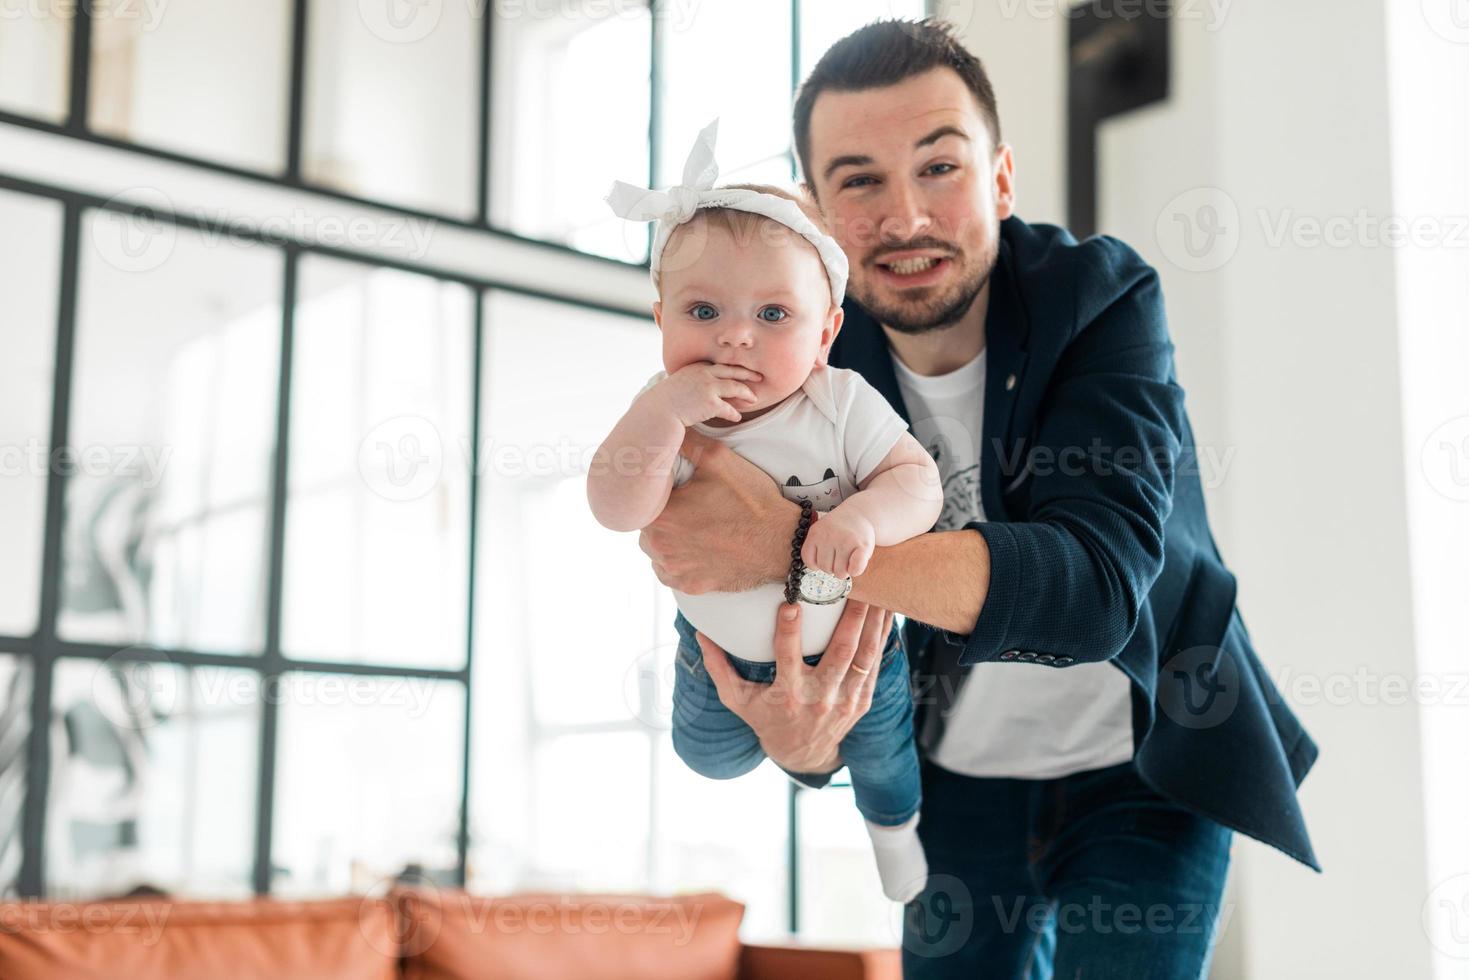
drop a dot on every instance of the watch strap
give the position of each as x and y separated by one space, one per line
798 567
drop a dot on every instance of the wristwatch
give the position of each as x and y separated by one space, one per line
811 584
823 588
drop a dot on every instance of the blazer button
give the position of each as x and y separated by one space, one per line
1009 654
1062 661
1045 658
1028 655
1010 383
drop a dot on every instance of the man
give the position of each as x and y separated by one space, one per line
1093 718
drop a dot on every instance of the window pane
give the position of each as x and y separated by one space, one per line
556 377
825 22
729 836
369 775
731 60
35 59
572 777
841 897
173 420
30 260
392 102
208 79
566 80
153 779
377 527
15 725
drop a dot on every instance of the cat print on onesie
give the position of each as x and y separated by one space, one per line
824 494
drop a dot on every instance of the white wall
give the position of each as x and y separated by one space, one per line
1289 348
1429 52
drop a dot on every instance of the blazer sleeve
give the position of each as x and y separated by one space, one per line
1070 579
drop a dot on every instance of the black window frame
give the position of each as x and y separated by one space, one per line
40 651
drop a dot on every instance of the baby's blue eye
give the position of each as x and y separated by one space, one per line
698 311
780 314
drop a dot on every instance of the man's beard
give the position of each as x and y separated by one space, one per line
922 316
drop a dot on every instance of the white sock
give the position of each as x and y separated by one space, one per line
901 863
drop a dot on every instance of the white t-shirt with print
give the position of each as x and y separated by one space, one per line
821 443
1017 720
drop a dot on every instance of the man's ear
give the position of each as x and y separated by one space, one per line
834 318
1004 182
658 313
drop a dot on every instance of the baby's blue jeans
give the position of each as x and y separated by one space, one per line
878 752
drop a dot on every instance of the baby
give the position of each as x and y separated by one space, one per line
750 299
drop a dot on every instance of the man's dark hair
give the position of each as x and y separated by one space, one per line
884 53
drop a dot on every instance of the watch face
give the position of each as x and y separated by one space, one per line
821 587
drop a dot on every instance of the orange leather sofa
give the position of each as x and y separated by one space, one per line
411 934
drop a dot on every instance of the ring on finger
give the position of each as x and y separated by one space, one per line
861 670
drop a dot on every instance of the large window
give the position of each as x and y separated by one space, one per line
570 114
196 77
574 650
391 102
300 590
153 775
732 61
30 276
15 726
513 116
377 530
176 368
35 59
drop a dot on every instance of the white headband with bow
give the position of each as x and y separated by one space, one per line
679 203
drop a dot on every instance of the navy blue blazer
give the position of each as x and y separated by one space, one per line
1099 545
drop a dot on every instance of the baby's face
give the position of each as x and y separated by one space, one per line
761 301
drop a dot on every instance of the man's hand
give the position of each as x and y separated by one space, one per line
727 530
802 716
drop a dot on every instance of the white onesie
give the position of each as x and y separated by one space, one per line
819 444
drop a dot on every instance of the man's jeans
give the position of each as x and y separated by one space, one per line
878 752
1090 875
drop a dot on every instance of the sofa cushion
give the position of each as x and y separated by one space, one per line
451 935
340 939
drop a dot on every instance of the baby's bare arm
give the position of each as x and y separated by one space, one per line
899 499
903 496
632 472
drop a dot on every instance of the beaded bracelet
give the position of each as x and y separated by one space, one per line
798 567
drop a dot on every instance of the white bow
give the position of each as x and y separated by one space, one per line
679 203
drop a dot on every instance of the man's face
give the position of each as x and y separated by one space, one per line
914 193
